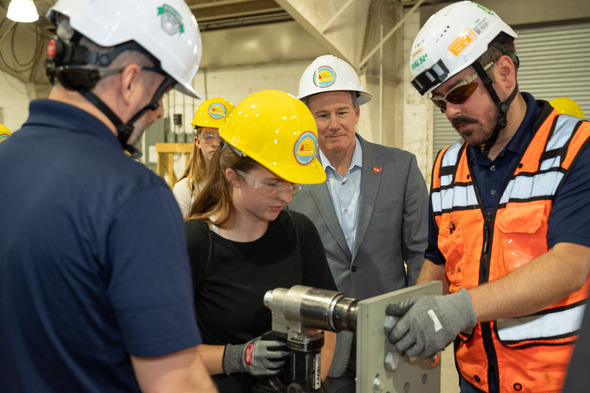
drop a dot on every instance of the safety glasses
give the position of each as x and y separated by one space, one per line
209 138
270 188
459 93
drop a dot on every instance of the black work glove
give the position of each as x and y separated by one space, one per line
259 358
428 324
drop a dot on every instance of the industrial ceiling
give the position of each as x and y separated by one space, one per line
289 28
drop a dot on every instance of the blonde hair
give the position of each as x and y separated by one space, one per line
215 199
196 171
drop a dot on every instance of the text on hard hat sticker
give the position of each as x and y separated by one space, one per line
481 25
419 61
462 41
305 148
324 77
216 110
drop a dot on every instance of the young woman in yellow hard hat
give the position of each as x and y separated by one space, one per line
210 115
242 243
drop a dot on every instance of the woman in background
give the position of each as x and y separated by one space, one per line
210 115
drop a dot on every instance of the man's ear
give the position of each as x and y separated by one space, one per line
130 81
505 73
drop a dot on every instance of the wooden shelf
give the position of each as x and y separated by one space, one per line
166 153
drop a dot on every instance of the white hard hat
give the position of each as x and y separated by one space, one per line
451 40
329 73
168 31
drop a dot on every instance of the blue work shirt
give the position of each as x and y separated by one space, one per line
571 207
345 192
93 260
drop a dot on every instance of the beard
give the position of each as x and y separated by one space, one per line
480 131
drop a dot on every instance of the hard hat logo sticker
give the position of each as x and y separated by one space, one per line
171 20
305 148
324 77
216 111
464 38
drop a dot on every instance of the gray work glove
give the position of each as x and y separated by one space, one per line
428 324
259 358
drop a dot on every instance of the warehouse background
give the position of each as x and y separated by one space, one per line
251 45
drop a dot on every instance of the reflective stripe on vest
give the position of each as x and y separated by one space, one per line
531 351
542 326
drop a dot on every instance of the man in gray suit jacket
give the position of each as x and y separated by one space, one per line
372 210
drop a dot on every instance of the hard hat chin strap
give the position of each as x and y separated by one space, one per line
503 106
124 130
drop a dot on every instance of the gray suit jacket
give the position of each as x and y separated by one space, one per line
391 229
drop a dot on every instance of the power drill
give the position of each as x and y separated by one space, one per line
296 314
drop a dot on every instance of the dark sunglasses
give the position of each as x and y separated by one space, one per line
459 93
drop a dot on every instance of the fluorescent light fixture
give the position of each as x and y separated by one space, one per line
22 11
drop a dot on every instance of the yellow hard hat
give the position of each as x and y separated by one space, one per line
279 132
4 133
567 106
212 112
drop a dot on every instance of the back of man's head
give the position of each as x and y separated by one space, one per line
96 32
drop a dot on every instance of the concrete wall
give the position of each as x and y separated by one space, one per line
417 127
14 102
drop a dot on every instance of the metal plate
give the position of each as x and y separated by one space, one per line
408 376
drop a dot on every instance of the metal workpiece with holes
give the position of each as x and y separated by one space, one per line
380 367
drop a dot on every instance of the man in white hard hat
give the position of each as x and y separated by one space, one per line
510 210
95 283
371 212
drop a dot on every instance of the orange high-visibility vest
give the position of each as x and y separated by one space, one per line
528 353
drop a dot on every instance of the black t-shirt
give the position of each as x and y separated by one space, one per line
231 279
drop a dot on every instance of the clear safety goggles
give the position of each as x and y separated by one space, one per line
268 187
208 137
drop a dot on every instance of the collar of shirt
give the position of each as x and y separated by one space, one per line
357 160
490 176
72 118
521 138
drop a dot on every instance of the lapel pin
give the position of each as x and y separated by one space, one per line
376 169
